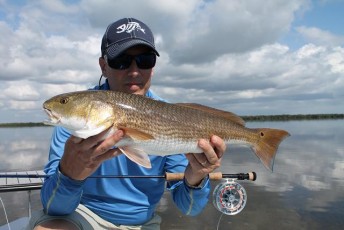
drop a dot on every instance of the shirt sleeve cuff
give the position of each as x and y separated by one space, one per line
67 181
200 186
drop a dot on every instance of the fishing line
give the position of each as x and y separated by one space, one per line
218 222
29 203
3 205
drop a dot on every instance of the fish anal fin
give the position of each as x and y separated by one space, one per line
136 134
225 114
266 147
136 155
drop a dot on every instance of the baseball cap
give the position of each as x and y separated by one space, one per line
126 33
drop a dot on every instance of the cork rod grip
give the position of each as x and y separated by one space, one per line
180 176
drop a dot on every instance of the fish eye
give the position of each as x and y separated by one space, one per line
64 100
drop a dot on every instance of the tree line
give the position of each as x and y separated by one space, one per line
286 117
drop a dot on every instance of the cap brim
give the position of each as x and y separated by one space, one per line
114 50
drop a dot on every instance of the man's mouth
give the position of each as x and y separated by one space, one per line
133 83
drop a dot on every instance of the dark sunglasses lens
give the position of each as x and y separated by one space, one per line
122 62
145 61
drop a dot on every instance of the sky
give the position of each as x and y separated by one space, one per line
245 56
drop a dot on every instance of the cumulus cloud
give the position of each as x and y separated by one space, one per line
321 37
223 55
199 31
305 75
23 92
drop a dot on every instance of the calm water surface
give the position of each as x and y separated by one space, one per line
305 191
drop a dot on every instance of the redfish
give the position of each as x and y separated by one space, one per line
156 127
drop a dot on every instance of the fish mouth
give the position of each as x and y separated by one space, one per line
54 118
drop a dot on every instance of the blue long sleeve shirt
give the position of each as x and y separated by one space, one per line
119 201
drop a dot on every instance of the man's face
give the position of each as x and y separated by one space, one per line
132 80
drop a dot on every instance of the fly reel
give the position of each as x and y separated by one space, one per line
229 197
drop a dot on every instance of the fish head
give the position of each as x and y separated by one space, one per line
83 113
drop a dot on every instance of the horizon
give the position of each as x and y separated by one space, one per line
250 117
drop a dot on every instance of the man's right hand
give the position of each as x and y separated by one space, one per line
83 156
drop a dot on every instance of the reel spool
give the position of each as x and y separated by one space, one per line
229 197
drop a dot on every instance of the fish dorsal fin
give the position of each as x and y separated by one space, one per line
225 114
136 155
136 134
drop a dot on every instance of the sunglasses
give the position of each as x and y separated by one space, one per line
122 62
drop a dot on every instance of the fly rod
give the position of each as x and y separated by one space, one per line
167 176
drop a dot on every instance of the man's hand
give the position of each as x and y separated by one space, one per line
201 164
83 156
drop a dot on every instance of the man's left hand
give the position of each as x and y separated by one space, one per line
201 164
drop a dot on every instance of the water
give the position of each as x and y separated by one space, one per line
305 191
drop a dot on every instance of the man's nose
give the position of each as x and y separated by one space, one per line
133 69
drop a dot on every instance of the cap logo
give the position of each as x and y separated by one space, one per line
129 27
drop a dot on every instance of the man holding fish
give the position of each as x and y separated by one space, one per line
71 200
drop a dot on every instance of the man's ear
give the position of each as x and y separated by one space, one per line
102 65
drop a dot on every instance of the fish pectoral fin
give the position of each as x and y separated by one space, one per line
136 134
136 155
225 114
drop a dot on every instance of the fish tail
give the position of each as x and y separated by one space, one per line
267 145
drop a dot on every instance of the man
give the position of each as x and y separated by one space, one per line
71 200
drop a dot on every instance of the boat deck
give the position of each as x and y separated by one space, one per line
21 182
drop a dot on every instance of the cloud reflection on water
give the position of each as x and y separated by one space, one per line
24 149
308 175
305 191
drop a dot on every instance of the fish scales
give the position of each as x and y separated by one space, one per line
169 123
156 127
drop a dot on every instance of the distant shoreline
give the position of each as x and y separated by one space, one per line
22 124
285 117
282 117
